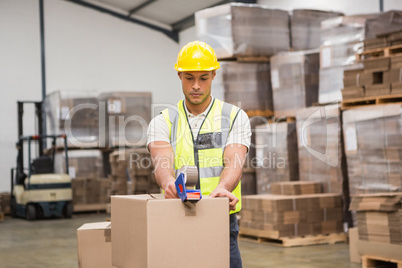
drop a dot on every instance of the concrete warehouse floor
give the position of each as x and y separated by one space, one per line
53 243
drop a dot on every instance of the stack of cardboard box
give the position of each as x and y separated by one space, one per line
373 147
381 74
294 79
252 30
379 217
119 177
305 27
246 85
276 154
276 216
87 173
296 188
75 113
132 172
91 190
140 170
341 39
5 203
127 115
320 148
81 163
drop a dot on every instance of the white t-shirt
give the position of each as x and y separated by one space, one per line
158 130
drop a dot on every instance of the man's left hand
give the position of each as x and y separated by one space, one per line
221 192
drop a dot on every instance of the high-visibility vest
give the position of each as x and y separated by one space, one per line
205 152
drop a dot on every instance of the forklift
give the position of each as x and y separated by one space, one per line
36 190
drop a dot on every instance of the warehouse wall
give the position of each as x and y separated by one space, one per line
346 6
85 49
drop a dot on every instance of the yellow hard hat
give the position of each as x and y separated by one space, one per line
196 56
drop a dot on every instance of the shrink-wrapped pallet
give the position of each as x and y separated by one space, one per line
243 30
373 147
305 26
320 147
246 85
341 39
294 79
127 115
76 114
276 154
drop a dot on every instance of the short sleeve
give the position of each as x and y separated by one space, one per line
241 130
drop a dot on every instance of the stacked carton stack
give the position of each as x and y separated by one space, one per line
379 217
75 114
140 171
90 190
341 39
5 203
294 78
235 29
86 169
127 115
81 163
305 27
132 172
276 154
320 148
373 147
296 188
247 85
382 70
119 176
276 216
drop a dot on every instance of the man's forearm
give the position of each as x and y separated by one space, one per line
162 158
234 158
230 178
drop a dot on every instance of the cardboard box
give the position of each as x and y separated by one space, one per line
353 238
377 249
150 231
94 245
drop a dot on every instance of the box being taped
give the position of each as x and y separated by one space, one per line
150 231
94 245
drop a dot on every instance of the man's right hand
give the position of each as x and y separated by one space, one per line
170 190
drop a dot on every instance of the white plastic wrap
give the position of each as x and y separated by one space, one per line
76 114
294 79
127 115
243 29
246 85
305 26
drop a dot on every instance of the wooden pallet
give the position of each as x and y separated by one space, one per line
375 261
288 119
379 52
89 207
309 240
353 103
263 113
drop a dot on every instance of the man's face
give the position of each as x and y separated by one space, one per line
197 85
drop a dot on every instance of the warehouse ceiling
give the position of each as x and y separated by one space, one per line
167 16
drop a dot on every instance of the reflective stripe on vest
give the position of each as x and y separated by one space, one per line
205 152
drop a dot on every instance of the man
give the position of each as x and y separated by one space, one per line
204 132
